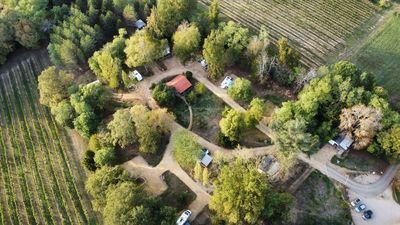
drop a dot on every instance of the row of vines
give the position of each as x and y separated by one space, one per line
41 179
317 27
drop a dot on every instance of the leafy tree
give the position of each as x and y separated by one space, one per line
64 113
224 47
88 161
239 194
163 94
361 123
198 171
98 183
232 125
53 85
213 13
168 14
6 37
292 137
105 157
186 150
277 207
26 33
73 41
186 41
255 113
142 49
257 55
122 128
205 177
390 143
287 55
86 123
94 142
241 90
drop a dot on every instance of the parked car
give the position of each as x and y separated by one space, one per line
360 208
355 202
227 82
367 215
184 217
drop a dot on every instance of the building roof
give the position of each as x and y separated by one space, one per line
140 24
180 83
265 163
206 160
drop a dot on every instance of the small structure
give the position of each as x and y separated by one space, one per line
167 51
342 143
227 82
206 159
204 64
180 83
136 75
140 24
268 166
93 83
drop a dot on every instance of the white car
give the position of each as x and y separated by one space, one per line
355 202
184 217
360 208
227 82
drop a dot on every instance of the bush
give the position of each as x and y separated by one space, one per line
191 97
200 89
163 94
105 157
88 161
189 75
241 90
186 150
225 141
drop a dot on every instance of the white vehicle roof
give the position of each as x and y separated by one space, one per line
184 217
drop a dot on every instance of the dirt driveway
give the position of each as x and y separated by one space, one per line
385 209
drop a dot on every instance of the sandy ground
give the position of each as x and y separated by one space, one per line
386 210
367 178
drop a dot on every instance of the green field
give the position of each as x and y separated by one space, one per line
41 179
381 56
318 28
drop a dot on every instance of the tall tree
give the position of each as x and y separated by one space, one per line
142 49
287 55
213 13
255 113
186 41
241 89
26 33
122 128
390 143
53 84
232 125
361 123
186 150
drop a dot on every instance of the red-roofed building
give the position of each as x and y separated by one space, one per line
180 83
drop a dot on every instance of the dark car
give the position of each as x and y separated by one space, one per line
367 215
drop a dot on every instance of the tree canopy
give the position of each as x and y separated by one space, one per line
186 41
53 84
241 89
186 150
122 128
232 125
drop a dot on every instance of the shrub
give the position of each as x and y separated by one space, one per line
200 88
88 161
191 97
105 157
225 141
189 75
163 94
241 90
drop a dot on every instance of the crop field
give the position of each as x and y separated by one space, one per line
41 180
381 56
318 28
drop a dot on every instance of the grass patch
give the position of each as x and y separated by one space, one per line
276 100
381 56
177 195
360 161
319 202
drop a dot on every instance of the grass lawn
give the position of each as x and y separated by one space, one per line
381 56
177 195
360 161
275 99
319 202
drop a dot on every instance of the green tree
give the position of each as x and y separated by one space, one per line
163 94
293 137
241 90
129 15
64 113
205 177
53 84
122 128
390 143
287 55
106 68
6 36
86 123
186 150
88 161
142 49
239 194
98 183
255 113
186 41
198 171
213 13
257 56
105 157
26 33
232 125
213 52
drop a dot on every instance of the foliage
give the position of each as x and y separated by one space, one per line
186 41
361 123
225 141
122 129
186 150
241 89
241 195
292 137
107 62
53 85
73 41
6 36
163 94
232 125
26 33
86 123
105 157
257 54
64 113
287 55
168 14
389 141
198 171
206 177
224 46
88 161
98 183
143 49
213 13
255 113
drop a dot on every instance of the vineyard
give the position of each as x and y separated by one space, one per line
41 180
381 56
318 28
